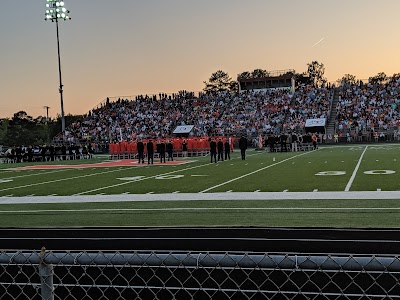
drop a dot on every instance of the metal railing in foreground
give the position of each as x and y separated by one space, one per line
193 275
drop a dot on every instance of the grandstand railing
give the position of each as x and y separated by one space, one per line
195 275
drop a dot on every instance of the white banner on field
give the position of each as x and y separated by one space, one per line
315 122
183 129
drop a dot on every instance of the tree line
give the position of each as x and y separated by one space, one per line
24 130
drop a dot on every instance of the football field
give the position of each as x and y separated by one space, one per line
335 186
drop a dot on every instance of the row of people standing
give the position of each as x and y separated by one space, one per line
221 148
224 147
290 141
49 152
162 147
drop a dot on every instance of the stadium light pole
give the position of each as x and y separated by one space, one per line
55 11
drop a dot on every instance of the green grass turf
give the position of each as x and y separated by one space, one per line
261 171
310 213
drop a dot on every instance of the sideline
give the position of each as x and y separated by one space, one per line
203 209
353 176
239 196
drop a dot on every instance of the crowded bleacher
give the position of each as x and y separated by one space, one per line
370 111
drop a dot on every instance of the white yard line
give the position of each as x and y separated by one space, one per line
353 176
256 171
240 196
204 209
36 174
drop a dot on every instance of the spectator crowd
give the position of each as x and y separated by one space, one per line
369 110
251 113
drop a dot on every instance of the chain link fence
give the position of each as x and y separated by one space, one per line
193 275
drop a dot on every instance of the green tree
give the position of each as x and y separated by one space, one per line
347 78
379 78
315 72
3 130
218 82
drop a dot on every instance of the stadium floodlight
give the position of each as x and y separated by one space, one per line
55 11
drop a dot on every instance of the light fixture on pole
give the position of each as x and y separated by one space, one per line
55 10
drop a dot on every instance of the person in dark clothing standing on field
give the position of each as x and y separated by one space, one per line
283 139
150 152
243 146
184 148
161 150
140 150
220 147
227 147
63 152
170 150
213 150
271 143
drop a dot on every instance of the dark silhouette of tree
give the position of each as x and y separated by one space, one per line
347 78
301 78
316 73
379 78
259 73
218 82
245 75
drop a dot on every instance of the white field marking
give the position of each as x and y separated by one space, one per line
353 176
203 209
126 193
285 191
230 191
36 174
316 190
176 192
5 180
128 182
246 164
31 195
63 179
237 196
379 190
9 195
199 175
257 191
51 195
149 193
256 171
231 164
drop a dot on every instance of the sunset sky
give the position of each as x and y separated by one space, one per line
130 47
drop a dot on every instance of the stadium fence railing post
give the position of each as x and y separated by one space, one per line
46 277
